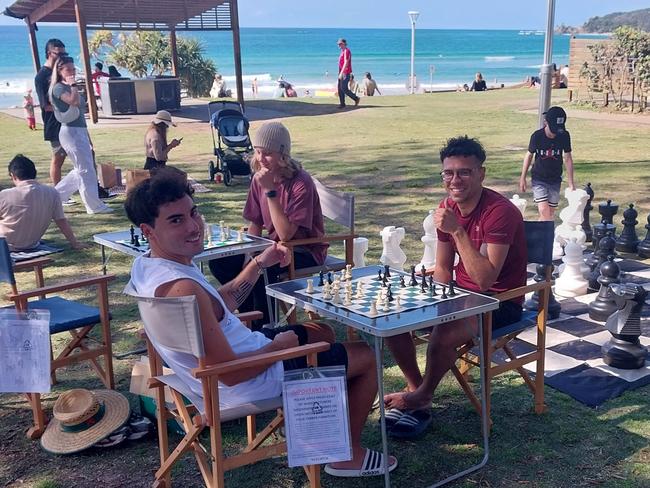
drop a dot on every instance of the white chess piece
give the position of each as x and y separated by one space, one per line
348 271
240 236
571 217
386 305
360 247
336 299
430 241
310 286
392 255
348 298
359 293
520 203
571 283
398 302
373 308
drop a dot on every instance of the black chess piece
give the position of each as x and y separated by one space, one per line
643 249
380 278
384 281
605 249
321 279
136 241
444 293
452 288
329 278
628 240
532 304
132 232
604 304
599 232
389 293
386 271
413 281
424 280
586 226
402 283
607 210
434 292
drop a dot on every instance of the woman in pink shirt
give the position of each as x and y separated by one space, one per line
345 70
282 200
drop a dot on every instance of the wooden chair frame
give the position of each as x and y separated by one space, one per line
211 461
79 336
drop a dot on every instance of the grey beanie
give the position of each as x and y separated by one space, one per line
273 136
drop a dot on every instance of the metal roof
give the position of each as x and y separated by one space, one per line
129 14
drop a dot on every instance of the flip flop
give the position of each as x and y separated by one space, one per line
411 424
392 416
373 465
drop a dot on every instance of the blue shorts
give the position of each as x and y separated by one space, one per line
546 192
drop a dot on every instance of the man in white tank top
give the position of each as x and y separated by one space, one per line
164 210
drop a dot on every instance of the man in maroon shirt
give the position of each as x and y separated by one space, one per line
487 232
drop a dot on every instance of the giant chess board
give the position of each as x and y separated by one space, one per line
574 363
214 243
410 297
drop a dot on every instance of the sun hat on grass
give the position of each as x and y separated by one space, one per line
82 418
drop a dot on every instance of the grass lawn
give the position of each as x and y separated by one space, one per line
387 153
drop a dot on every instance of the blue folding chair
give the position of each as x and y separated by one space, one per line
65 316
539 243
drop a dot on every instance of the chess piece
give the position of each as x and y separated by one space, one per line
624 350
413 281
520 203
240 236
444 293
586 226
336 298
384 281
571 282
348 271
380 277
605 248
532 304
452 288
628 241
132 232
398 302
359 248
359 293
386 271
402 283
321 279
430 241
386 305
424 285
604 304
607 210
373 308
571 217
310 286
599 231
327 292
434 292
389 293
348 298
329 277
136 241
392 255
643 249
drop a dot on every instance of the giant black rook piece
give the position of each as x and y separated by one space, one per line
586 226
605 249
644 246
604 304
624 350
532 304
628 240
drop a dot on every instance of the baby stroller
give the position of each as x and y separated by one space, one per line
232 146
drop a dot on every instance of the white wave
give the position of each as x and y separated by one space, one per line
16 86
248 78
498 59
534 66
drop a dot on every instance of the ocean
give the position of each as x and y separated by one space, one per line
308 58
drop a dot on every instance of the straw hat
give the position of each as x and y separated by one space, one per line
82 418
163 116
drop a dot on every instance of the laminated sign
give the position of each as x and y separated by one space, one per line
317 422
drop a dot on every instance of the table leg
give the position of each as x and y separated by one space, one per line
103 259
273 313
484 419
379 359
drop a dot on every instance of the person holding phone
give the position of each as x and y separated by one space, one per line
155 141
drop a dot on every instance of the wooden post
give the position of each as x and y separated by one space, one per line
172 43
85 58
33 44
234 23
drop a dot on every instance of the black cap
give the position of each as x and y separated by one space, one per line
556 118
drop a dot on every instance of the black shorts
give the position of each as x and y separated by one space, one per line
336 355
508 313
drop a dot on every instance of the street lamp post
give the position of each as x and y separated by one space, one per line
413 15
547 67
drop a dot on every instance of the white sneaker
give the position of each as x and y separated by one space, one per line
101 210
69 202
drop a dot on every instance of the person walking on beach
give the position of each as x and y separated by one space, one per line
548 145
345 70
53 49
28 106
254 88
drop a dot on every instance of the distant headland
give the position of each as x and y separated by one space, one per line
639 19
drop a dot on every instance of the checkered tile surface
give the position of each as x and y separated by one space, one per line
574 363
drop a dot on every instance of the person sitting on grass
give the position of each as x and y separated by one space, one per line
478 84
282 199
27 209
486 231
163 208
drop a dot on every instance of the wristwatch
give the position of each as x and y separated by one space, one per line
271 194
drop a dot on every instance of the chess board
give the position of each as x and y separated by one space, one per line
410 296
574 363
215 243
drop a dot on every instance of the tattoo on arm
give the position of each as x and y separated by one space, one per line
239 294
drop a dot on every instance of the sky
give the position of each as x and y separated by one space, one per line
434 14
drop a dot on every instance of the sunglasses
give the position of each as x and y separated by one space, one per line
463 173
